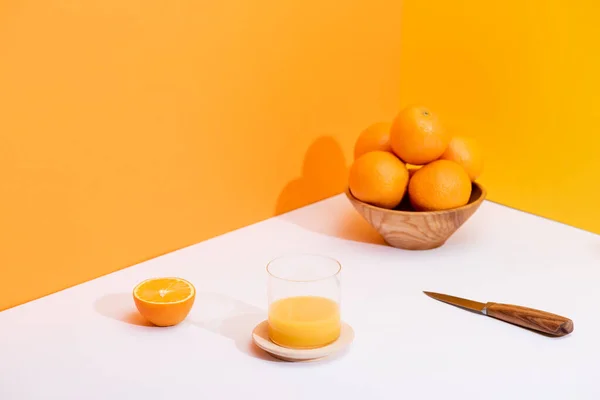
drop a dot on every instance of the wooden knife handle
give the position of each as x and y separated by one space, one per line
541 321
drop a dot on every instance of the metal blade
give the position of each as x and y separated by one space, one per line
459 302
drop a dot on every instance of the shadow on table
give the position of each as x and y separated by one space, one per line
120 307
343 223
324 174
212 311
215 312
230 318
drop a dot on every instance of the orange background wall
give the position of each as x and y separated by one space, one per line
129 129
133 128
524 78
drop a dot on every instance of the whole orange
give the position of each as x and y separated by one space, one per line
374 137
417 135
466 152
440 185
378 178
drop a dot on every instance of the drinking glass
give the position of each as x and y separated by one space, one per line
304 300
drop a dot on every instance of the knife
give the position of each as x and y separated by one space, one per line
542 321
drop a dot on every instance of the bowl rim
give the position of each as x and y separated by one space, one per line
477 202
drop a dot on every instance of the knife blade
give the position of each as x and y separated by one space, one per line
537 320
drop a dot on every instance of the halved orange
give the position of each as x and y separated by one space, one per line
164 301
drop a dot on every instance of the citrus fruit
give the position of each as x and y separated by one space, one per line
440 185
375 137
378 178
417 135
164 301
466 152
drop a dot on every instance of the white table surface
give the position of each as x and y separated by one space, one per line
89 343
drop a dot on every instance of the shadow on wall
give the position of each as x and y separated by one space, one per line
324 174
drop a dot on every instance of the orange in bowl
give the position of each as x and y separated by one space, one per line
375 137
465 151
379 178
417 136
164 301
440 185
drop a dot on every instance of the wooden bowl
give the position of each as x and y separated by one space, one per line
408 229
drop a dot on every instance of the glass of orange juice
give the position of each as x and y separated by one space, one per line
304 300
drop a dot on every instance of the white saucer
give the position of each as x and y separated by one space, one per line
260 336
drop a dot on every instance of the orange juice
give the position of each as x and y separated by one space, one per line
304 322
